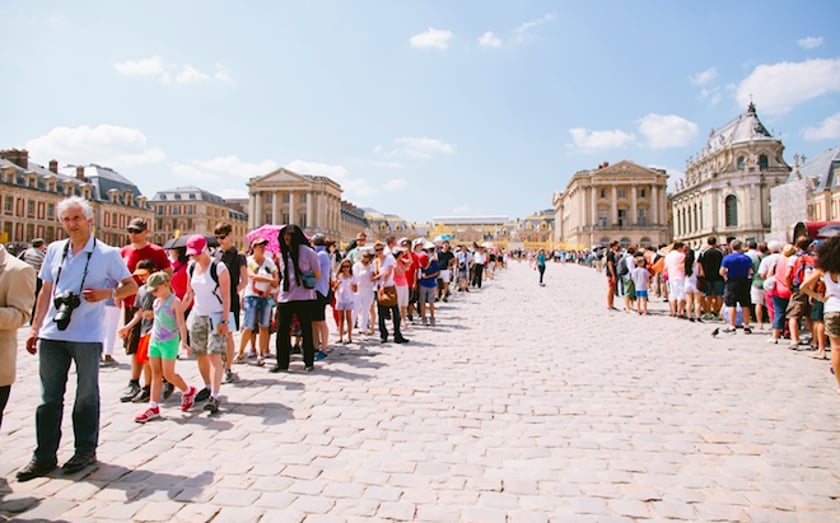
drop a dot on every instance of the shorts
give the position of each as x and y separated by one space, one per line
714 288
642 294
426 294
798 306
737 291
203 337
832 324
345 306
676 288
133 338
402 295
142 353
758 295
318 307
257 312
165 350
691 285
445 276
817 311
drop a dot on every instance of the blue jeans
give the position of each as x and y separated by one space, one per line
779 306
54 361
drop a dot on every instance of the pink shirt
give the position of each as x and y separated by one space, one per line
675 264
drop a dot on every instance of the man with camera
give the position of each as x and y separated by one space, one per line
68 328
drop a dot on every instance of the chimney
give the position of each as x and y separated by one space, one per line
54 166
19 157
80 172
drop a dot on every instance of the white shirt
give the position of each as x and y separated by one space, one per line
767 263
267 268
344 289
203 285
389 261
363 275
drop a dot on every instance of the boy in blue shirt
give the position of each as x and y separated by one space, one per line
427 279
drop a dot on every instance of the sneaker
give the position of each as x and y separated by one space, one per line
432 321
150 414
168 389
230 376
130 391
36 469
212 405
142 395
425 320
203 394
729 330
310 368
401 340
747 329
320 355
188 399
296 349
108 361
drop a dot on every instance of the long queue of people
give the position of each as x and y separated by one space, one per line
792 290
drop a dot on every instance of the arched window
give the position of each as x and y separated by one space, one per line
644 242
741 162
763 162
731 211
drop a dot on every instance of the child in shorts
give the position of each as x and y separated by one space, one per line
169 333
641 281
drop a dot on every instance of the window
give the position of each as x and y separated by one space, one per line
285 217
622 193
696 219
731 211
8 204
602 218
177 196
763 162
641 219
286 199
740 162
303 198
50 211
603 193
622 217
30 208
642 193
302 220
160 210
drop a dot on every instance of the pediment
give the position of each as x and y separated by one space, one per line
280 176
625 167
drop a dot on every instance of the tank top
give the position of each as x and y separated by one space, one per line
832 294
165 327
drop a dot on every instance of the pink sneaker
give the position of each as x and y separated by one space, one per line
150 414
188 399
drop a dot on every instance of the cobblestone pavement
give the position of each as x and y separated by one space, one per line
523 404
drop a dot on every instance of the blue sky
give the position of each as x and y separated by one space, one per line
421 109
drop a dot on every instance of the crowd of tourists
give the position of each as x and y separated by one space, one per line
791 291
83 297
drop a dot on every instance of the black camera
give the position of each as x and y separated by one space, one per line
65 303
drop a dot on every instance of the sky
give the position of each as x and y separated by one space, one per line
421 109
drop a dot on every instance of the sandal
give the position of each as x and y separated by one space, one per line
240 359
260 362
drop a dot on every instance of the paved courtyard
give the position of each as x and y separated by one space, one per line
524 404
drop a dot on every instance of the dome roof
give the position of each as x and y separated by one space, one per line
744 128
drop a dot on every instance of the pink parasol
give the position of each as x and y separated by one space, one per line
268 232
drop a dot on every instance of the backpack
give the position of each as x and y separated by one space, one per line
213 274
802 268
621 266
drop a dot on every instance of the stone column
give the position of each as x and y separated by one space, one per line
292 218
275 208
633 213
258 209
613 206
593 205
310 223
654 205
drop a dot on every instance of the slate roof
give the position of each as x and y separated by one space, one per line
822 167
744 128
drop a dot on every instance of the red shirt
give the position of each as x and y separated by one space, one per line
133 256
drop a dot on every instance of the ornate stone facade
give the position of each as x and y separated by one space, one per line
625 202
188 210
726 189
283 196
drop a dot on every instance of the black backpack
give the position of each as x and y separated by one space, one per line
213 274
622 268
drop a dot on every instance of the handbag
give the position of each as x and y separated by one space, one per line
308 278
769 284
387 296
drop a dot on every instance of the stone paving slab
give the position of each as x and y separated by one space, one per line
523 404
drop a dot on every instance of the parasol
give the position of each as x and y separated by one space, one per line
181 241
268 232
442 238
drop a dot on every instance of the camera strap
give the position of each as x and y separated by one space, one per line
64 258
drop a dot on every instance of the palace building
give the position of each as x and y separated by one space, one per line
726 189
625 202
188 210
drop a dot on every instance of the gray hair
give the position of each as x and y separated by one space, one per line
74 201
774 246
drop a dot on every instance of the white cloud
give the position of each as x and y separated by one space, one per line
335 172
704 77
152 66
829 129
488 39
232 193
107 145
418 147
388 165
598 140
712 96
523 32
666 130
777 88
171 73
810 42
438 38
395 184
357 188
222 167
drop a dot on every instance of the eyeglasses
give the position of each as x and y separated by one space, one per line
221 236
379 249
134 231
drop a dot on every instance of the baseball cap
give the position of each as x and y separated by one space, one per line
137 225
196 244
156 279
428 245
403 240
258 241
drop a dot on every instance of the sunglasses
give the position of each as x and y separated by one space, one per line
134 231
379 249
221 236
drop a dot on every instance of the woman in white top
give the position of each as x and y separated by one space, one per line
827 273
262 277
363 270
345 299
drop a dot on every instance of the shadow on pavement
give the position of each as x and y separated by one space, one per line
16 505
272 413
139 483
